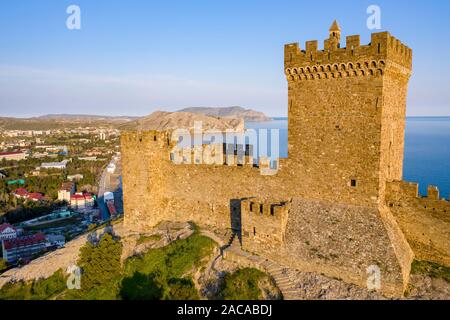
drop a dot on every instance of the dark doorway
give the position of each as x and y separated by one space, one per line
235 219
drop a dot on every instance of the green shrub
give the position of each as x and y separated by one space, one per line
141 287
182 289
47 288
242 285
41 289
15 291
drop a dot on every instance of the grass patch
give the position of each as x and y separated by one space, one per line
173 260
244 284
43 289
163 273
432 269
152 238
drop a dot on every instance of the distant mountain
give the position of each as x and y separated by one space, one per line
161 121
84 117
229 112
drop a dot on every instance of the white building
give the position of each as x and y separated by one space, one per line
15 155
75 177
7 232
55 165
66 191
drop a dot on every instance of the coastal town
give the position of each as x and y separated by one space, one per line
55 185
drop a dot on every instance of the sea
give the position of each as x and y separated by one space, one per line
427 150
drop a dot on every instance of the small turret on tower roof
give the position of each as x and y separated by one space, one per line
335 27
334 41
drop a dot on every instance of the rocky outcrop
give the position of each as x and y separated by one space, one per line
229 112
164 121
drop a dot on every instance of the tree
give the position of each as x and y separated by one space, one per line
100 262
182 289
141 287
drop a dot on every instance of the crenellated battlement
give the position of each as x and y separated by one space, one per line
353 60
223 154
264 208
264 222
402 190
158 138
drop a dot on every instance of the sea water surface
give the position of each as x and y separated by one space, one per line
427 150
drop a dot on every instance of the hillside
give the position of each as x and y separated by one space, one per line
161 120
60 122
229 112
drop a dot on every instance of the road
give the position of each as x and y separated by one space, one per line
106 185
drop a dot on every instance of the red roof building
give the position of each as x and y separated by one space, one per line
24 194
23 247
24 241
14 155
81 200
35 196
21 193
5 226
7 232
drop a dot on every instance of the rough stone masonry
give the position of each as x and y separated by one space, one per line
337 205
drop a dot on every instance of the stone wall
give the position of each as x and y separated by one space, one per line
425 221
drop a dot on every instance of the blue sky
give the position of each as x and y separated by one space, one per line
137 56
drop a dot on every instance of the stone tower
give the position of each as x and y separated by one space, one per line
347 115
335 36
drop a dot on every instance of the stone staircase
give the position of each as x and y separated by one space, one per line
276 271
230 248
282 280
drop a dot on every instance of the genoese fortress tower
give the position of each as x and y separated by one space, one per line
337 205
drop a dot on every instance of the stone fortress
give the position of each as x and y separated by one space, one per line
337 205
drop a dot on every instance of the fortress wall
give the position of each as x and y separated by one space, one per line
209 193
425 221
346 123
338 240
156 189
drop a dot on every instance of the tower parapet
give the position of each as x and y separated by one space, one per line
352 60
